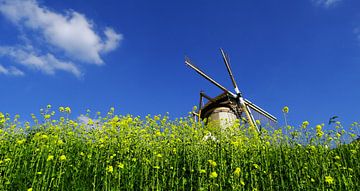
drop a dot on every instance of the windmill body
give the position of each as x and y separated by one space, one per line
228 106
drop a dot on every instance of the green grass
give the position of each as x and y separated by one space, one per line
129 153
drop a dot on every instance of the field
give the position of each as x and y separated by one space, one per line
114 152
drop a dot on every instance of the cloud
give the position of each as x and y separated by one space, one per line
84 120
11 71
69 33
48 63
326 3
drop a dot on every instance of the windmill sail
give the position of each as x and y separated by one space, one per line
228 105
260 114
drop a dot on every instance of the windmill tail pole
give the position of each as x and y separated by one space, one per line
248 114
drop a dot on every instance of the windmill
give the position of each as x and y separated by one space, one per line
229 106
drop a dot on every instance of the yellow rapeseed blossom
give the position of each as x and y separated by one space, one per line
62 157
47 116
202 171
67 110
2 118
319 131
21 141
305 124
50 157
44 137
110 169
213 175
30 189
329 180
60 142
212 163
242 182
285 109
120 165
237 171
156 118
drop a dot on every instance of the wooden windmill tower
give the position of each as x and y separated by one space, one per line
229 106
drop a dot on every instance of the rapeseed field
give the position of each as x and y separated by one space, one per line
113 152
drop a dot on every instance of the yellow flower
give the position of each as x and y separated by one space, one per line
158 133
305 124
120 165
159 155
202 171
329 180
213 175
258 122
110 169
62 157
67 110
21 141
50 157
90 122
337 157
47 116
2 118
319 131
285 109
212 163
61 109
30 189
237 171
60 142
242 182
156 118
44 136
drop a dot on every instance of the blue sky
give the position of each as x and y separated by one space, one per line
130 55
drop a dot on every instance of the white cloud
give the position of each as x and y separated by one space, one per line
84 120
48 64
70 33
326 3
112 41
11 71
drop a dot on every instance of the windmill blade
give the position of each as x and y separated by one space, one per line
227 64
260 111
188 62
